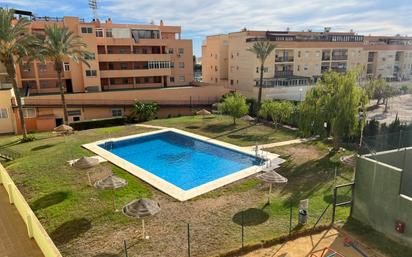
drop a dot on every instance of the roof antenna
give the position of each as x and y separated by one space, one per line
93 6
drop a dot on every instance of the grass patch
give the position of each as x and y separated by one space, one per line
222 128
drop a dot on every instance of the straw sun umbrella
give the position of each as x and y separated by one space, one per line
272 177
141 208
248 118
86 163
203 112
111 182
65 129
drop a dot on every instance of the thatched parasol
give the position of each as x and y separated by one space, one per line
248 118
111 182
272 177
86 162
141 208
63 128
203 112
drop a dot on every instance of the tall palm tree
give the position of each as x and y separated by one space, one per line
59 44
15 45
262 49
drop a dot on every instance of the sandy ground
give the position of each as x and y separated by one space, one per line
401 105
313 246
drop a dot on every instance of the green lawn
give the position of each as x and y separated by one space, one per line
81 221
222 128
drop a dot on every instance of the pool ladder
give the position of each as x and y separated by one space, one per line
108 145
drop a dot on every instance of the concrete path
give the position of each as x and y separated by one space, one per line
289 142
14 241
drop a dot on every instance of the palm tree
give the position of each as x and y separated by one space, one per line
59 44
15 45
262 49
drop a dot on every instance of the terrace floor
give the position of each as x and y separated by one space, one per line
14 239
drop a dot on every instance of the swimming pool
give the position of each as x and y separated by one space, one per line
181 164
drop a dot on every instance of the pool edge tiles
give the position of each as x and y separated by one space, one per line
166 186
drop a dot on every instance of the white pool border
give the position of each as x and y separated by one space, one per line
165 186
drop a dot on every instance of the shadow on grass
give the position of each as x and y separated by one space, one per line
106 255
192 127
307 178
228 128
70 230
41 147
341 198
251 217
49 200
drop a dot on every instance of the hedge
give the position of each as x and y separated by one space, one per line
98 123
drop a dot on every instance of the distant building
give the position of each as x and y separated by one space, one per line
130 61
301 58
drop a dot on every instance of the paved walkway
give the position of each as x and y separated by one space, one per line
14 241
289 142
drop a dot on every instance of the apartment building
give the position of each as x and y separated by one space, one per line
129 62
300 59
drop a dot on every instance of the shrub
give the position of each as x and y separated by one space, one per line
28 138
98 123
144 112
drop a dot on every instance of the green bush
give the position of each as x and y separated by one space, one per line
28 138
98 123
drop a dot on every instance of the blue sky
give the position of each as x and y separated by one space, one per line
207 17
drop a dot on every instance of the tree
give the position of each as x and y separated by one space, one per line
60 44
262 49
375 89
16 45
277 111
334 101
144 112
388 92
235 106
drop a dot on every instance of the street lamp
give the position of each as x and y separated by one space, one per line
300 94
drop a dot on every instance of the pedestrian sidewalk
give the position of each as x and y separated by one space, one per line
289 142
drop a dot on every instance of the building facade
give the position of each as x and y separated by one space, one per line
128 62
300 58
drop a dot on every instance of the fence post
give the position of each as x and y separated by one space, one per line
11 198
188 239
29 225
335 191
400 139
290 218
125 248
243 228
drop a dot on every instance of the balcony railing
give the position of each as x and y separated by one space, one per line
339 57
286 73
284 59
370 59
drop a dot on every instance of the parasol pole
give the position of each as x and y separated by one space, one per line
143 230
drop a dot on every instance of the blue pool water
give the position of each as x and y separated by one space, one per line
181 160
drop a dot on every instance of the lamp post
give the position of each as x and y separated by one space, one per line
300 94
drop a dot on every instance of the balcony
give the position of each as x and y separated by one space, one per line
130 86
133 57
130 41
339 57
284 59
286 73
134 73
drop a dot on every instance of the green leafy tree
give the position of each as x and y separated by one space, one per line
375 89
277 111
59 44
144 112
234 105
334 101
388 92
16 46
262 49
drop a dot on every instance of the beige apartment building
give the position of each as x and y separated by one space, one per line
300 59
129 62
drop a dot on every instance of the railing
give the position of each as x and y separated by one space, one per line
34 228
283 73
47 18
284 59
339 57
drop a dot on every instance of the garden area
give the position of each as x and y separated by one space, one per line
81 221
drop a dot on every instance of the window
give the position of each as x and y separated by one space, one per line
66 66
26 67
91 73
109 33
182 78
231 82
172 79
74 113
181 51
257 69
29 112
117 112
123 66
87 30
42 67
99 32
181 65
170 50
265 69
298 67
172 64
3 113
76 118
305 67
299 54
44 84
90 56
158 65
125 80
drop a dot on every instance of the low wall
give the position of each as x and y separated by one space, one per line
34 228
378 201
